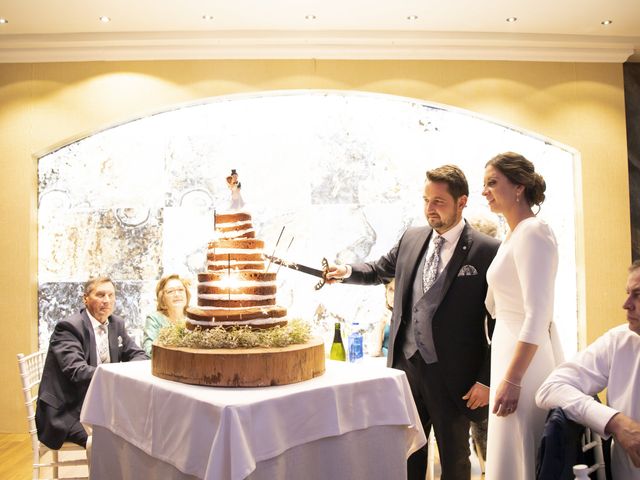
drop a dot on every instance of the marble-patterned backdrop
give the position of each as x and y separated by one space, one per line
343 172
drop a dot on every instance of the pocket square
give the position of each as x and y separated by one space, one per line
467 270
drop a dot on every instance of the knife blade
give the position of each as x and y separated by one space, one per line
304 269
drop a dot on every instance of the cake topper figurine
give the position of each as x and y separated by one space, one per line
234 185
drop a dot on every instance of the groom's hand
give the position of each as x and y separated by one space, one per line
477 396
335 273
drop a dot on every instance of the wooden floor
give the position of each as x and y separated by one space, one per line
15 459
15 456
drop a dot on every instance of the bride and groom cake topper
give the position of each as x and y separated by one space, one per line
235 186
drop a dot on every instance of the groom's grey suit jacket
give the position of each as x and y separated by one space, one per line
454 305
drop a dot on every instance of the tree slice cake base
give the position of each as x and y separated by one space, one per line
240 367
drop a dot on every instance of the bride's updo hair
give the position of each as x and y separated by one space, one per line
521 171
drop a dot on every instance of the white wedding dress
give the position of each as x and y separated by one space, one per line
521 282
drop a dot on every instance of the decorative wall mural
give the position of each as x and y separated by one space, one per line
341 171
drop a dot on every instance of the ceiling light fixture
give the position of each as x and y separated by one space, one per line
606 22
412 17
310 17
104 19
512 19
207 17
3 21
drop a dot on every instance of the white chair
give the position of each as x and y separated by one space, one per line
30 367
565 444
591 440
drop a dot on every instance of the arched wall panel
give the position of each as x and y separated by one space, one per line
341 171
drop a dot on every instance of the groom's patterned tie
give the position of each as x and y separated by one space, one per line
103 344
430 272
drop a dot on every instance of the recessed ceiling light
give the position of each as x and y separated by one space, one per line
412 17
3 21
512 19
606 22
310 17
104 19
207 17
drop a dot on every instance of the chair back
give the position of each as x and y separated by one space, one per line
565 444
591 441
30 368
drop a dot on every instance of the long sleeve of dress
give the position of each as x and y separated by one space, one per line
536 261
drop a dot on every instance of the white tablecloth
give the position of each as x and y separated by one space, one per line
222 433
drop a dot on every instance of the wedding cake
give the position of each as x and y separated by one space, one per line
237 290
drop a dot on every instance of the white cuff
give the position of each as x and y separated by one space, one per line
597 416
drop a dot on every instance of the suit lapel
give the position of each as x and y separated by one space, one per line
458 258
113 342
413 258
93 354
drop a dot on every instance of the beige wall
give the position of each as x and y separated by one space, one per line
41 105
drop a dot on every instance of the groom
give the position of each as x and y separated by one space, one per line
438 325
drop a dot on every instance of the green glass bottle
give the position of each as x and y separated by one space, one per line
337 348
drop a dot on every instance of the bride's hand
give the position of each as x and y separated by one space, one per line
506 400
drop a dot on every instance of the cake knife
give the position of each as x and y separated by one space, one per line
304 269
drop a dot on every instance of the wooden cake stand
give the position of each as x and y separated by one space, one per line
240 367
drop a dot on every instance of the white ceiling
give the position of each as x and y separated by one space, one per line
547 30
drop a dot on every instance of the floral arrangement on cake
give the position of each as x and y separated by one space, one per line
295 332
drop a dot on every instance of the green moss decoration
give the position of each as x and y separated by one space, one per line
296 331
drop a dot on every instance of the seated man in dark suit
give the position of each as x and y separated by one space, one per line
77 346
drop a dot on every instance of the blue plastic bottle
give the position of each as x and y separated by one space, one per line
355 344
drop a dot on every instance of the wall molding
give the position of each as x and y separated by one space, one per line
347 45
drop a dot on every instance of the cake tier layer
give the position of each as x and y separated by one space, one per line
232 218
255 289
219 258
229 302
235 245
213 316
213 278
230 266
236 234
233 225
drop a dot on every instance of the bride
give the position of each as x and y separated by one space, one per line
521 282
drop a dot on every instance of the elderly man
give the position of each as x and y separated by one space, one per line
77 346
612 362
